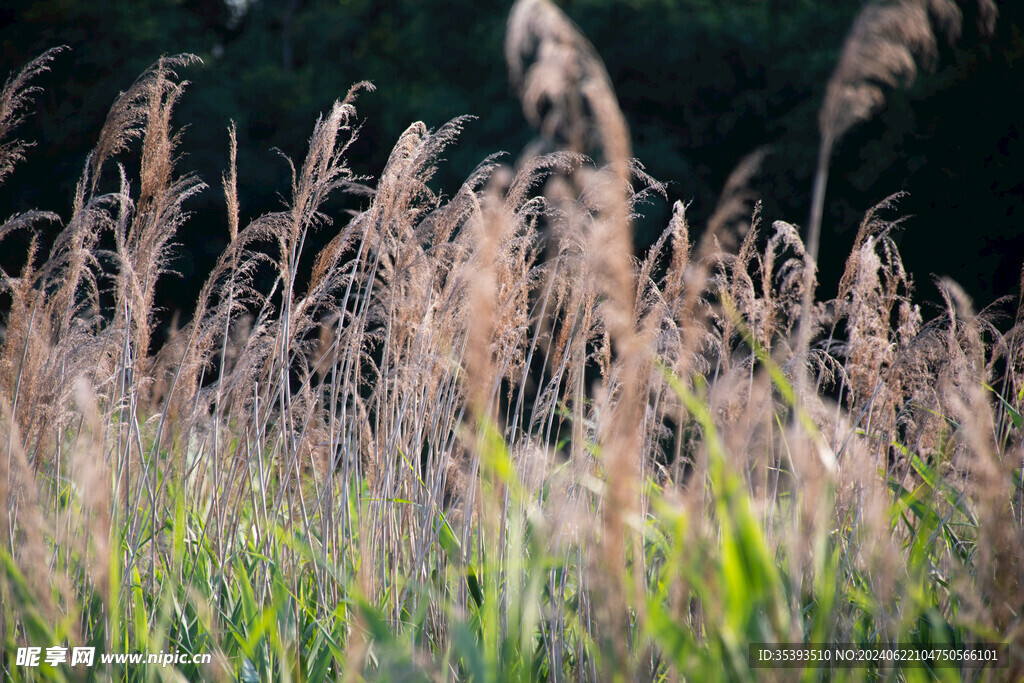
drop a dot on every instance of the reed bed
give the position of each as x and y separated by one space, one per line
477 438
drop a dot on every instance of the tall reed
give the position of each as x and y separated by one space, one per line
476 437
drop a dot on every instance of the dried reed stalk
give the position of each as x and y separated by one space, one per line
883 48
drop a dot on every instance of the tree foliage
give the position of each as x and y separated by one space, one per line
702 84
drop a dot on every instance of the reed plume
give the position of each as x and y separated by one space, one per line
15 97
884 47
473 436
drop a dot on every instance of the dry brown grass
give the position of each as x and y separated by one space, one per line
496 374
884 47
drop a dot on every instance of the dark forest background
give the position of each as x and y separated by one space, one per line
702 83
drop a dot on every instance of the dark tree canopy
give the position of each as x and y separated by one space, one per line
701 83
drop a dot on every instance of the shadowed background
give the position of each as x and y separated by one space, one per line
701 83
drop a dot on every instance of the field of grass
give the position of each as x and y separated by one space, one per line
473 437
